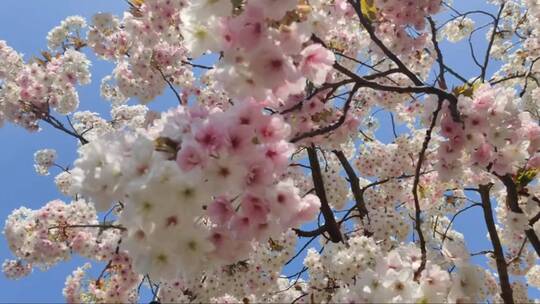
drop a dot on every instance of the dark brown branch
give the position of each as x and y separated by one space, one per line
457 75
512 203
355 184
454 218
372 67
382 74
311 233
55 123
301 249
299 298
518 255
440 60
504 280
473 55
393 124
300 165
200 66
45 115
529 71
90 226
418 211
534 219
170 85
509 77
103 272
329 221
369 28
462 15
490 44
483 252
362 82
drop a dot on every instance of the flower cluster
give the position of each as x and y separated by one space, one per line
408 12
16 269
256 279
66 33
147 49
263 46
44 237
362 273
314 121
63 182
185 177
29 90
120 286
494 134
44 159
458 29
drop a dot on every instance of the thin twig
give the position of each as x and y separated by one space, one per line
418 211
170 85
490 44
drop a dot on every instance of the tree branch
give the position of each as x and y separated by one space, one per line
170 85
362 82
442 79
55 123
329 220
418 211
365 23
506 288
355 184
512 203
490 44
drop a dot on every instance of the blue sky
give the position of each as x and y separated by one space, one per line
24 25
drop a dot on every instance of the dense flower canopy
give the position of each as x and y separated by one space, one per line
273 152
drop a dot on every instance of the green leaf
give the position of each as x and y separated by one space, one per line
525 176
165 144
369 10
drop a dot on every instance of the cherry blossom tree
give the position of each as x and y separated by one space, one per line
273 154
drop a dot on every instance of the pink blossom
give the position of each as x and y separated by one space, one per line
211 136
258 173
483 102
534 162
278 153
449 127
275 9
448 152
316 62
309 209
248 114
220 211
476 121
255 208
501 164
225 247
271 67
190 157
241 227
285 201
249 26
273 129
483 155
